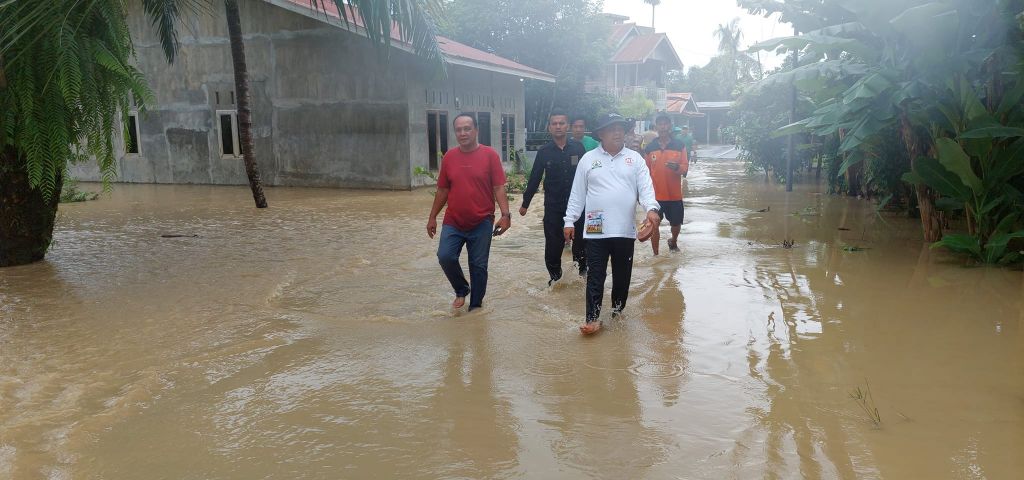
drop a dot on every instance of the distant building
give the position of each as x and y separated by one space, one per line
682 107
716 116
704 118
640 58
328 108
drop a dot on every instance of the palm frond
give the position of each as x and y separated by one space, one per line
166 15
415 22
69 76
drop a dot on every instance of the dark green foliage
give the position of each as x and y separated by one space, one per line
885 163
70 193
565 38
69 77
942 79
756 117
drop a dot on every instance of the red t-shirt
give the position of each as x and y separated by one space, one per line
470 179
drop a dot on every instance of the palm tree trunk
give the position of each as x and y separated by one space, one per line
244 115
931 217
26 217
790 147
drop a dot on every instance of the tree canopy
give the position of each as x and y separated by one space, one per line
942 77
564 38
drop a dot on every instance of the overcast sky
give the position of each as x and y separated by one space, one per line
690 25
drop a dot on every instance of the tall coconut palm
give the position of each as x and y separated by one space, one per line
729 36
66 75
242 90
652 3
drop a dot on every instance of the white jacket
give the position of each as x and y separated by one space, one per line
611 185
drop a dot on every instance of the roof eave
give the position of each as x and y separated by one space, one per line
664 38
352 28
499 69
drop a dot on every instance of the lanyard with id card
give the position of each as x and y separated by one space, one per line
595 221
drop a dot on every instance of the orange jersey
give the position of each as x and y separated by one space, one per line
667 182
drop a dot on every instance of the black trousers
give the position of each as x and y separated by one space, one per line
554 242
599 250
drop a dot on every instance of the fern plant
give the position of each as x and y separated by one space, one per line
68 77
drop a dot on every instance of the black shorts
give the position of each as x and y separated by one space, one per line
672 210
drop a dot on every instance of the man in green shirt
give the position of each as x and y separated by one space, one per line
579 128
688 142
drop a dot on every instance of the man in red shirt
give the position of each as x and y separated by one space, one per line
667 160
472 179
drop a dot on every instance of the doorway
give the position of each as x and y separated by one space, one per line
437 137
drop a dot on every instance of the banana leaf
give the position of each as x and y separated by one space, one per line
955 160
960 243
931 173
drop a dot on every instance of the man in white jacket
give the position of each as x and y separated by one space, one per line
610 180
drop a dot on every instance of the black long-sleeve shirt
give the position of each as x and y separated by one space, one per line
558 167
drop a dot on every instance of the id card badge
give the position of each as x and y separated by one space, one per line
574 160
595 221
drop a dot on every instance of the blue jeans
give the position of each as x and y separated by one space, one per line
478 242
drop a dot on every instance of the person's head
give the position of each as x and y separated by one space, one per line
579 128
663 125
465 130
558 125
685 130
612 131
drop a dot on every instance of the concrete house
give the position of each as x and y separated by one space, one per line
328 108
640 58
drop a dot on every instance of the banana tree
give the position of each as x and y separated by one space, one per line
973 169
899 55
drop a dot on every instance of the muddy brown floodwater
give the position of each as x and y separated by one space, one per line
314 340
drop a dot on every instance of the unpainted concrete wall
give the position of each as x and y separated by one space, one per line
328 108
467 90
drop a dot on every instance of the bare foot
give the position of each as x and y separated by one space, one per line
459 302
590 328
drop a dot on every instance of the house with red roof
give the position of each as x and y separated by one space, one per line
639 60
706 118
328 108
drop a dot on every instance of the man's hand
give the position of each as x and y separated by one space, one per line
503 224
653 217
522 211
569 232
431 227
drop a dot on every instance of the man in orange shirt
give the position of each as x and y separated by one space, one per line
668 163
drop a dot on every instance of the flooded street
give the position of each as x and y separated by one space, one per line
314 340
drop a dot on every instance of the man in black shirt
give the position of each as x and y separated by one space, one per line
556 163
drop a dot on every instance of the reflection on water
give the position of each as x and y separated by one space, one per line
313 340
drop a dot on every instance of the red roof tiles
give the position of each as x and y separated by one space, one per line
619 32
639 49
